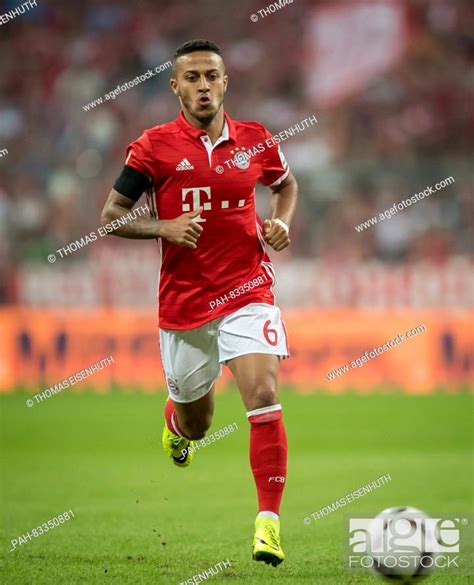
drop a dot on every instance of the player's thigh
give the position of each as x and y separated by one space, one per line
191 364
252 340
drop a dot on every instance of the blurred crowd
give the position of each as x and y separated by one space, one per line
411 126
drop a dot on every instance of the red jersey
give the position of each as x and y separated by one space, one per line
230 267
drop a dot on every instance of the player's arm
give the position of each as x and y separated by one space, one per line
284 198
127 190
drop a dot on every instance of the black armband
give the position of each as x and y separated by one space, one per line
131 183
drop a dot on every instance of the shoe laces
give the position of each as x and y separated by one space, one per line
178 442
270 535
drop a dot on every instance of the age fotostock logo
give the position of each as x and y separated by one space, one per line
398 542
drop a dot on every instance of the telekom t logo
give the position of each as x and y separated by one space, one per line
196 200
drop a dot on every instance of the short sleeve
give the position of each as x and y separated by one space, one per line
275 169
141 158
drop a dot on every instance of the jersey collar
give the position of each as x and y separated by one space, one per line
197 132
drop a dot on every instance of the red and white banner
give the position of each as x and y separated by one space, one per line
352 42
121 278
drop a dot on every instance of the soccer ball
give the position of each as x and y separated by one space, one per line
400 541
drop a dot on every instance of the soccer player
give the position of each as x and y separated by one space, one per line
216 300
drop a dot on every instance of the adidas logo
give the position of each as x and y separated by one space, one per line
185 165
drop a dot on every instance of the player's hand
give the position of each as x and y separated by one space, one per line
182 230
276 234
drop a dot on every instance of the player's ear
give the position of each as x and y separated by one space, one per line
226 81
174 86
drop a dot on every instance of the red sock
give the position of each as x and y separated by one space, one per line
268 454
172 419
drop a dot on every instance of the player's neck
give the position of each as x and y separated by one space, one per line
214 128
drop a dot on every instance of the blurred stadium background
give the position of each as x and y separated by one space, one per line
391 85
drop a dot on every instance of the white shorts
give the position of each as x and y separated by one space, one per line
192 359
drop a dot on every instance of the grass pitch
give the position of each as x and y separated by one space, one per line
139 519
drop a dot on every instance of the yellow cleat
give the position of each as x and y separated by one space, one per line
179 450
266 542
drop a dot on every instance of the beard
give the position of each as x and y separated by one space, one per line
204 116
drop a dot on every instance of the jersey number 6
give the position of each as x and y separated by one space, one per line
271 335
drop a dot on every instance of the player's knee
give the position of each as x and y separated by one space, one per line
265 394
